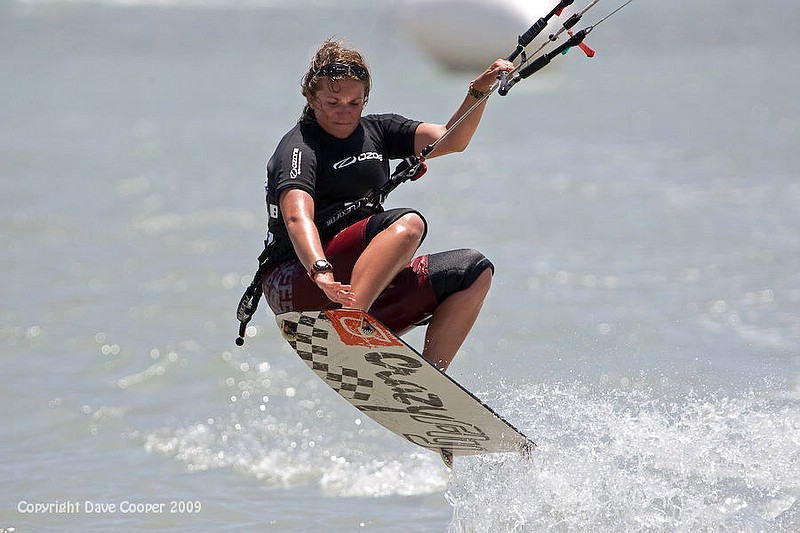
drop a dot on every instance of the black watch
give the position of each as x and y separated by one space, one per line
319 267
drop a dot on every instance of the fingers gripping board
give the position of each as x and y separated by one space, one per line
392 383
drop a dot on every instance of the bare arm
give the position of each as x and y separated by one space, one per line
297 207
459 139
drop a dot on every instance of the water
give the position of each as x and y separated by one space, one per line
643 327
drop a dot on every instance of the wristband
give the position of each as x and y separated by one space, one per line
475 93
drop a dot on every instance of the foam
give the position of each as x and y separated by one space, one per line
632 460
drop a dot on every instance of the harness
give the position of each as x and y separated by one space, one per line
409 169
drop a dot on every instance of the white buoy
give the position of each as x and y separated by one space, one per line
469 34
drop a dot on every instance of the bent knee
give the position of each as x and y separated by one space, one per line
411 227
458 270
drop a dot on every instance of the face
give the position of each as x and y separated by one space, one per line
338 106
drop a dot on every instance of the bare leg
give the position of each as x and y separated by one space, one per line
385 256
453 320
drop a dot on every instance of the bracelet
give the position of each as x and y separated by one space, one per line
475 93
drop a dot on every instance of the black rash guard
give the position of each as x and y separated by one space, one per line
333 171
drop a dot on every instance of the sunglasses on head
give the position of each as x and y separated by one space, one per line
339 70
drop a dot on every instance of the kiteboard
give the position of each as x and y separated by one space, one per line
389 381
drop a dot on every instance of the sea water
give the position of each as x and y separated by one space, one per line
642 209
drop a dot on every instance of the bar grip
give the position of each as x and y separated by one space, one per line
535 65
526 38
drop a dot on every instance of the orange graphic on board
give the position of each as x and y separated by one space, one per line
357 328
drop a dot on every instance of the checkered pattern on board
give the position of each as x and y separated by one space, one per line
310 343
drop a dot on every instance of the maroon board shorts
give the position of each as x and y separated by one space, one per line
408 300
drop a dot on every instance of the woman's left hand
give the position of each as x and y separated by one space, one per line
486 81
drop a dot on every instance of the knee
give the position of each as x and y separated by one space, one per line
411 227
459 270
478 272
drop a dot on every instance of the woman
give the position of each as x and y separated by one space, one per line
334 156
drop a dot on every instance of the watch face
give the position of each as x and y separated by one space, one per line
321 266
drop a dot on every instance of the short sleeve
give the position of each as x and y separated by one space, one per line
399 134
292 166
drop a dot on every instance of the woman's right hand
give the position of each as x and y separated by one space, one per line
297 207
336 292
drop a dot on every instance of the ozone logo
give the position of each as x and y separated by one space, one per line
353 159
297 159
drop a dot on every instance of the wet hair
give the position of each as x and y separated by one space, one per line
332 52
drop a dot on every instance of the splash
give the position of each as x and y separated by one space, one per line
613 460
290 455
287 432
